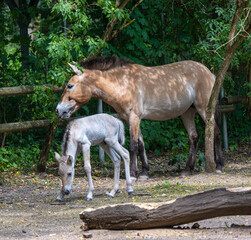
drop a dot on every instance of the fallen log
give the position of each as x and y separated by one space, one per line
204 205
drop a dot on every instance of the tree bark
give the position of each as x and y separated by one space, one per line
204 205
230 50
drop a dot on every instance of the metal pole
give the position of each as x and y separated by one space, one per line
101 151
224 125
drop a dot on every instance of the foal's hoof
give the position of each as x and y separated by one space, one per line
110 196
143 177
88 199
219 171
185 173
58 200
133 179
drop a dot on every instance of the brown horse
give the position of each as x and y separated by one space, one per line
137 92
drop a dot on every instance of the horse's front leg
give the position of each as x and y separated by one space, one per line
143 157
87 167
134 122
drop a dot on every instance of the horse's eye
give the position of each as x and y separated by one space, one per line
70 86
69 174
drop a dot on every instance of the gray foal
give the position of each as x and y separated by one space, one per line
100 129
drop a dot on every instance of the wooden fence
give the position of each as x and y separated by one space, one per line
37 124
22 126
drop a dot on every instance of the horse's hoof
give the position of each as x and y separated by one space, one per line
88 199
218 171
58 200
143 178
130 194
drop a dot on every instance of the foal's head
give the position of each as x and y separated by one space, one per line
66 171
76 93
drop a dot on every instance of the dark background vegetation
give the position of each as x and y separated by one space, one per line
38 38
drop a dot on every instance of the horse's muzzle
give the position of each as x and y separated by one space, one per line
63 111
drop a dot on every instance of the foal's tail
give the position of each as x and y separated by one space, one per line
121 134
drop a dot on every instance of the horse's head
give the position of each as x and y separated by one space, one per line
66 171
76 93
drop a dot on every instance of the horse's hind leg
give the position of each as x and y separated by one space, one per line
142 153
189 123
218 150
116 162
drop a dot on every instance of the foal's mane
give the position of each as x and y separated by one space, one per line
104 63
66 138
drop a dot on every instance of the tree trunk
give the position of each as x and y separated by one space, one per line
230 50
21 8
204 205
44 154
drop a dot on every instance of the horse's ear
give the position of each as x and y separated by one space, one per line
57 156
75 69
70 160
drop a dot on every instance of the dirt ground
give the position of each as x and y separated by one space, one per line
28 210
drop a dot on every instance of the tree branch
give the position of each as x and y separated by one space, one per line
107 36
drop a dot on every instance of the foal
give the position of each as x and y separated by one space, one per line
100 129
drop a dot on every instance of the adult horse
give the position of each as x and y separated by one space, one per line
138 92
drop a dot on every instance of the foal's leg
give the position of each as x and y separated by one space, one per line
87 167
189 123
126 158
116 162
142 153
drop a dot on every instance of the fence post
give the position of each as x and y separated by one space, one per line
101 151
44 154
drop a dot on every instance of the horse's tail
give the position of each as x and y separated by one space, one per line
121 134
217 116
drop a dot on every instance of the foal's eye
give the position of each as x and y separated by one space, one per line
69 174
70 86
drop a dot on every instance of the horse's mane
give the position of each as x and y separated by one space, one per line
104 63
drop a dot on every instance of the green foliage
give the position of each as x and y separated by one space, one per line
69 30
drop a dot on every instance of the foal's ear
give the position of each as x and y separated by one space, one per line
75 69
70 160
57 156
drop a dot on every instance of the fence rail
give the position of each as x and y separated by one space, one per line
24 90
